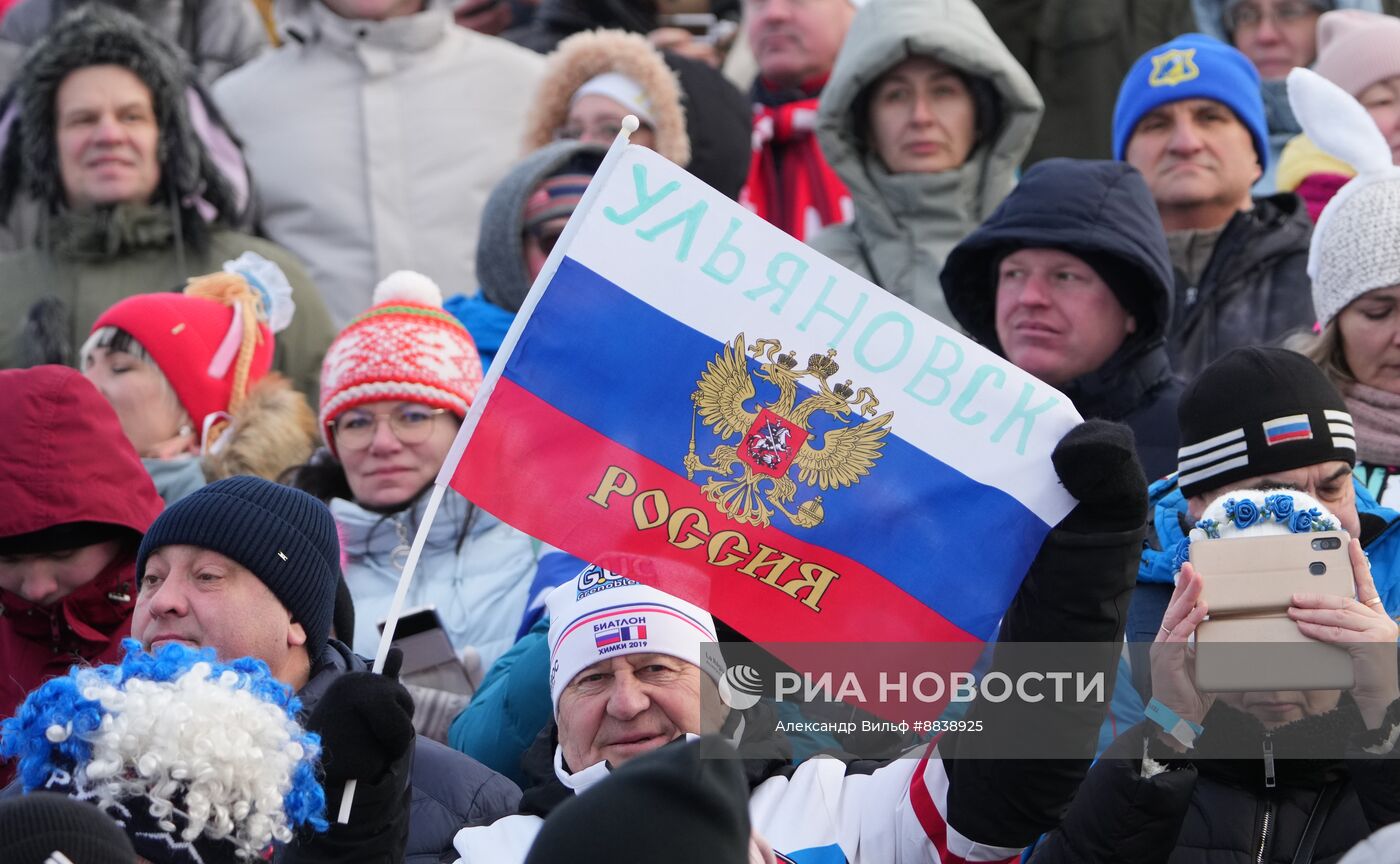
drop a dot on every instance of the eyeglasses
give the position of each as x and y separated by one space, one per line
1247 16
411 424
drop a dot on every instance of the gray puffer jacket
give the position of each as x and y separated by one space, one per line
906 224
218 35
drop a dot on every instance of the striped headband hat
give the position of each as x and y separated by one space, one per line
405 348
601 614
1255 412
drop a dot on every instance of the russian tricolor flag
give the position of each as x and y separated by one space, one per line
1295 427
696 400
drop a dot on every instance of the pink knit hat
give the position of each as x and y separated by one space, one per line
404 348
1356 49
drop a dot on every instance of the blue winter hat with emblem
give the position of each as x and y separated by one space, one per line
1194 66
284 536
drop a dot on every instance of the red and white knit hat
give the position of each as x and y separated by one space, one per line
405 348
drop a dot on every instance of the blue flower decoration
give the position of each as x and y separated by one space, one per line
1301 521
1280 505
1181 554
1245 513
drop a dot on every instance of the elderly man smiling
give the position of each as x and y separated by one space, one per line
628 669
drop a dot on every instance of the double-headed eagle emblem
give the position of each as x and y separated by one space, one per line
778 437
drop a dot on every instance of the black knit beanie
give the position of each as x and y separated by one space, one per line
35 826
283 535
687 802
1258 411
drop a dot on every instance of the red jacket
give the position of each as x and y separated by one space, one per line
64 458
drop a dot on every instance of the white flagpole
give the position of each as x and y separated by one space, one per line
449 465
556 255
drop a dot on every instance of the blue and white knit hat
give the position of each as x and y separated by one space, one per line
601 614
200 762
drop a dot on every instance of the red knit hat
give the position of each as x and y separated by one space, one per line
213 341
404 348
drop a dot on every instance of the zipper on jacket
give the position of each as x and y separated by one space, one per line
1270 778
1264 832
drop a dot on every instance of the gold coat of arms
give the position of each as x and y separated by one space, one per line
753 476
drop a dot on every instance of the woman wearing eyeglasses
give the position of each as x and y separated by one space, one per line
395 386
596 78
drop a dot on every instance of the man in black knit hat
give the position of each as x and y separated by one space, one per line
1259 418
249 568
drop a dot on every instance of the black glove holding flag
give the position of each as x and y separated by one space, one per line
1076 591
366 726
1097 463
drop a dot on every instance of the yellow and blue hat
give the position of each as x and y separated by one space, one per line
1194 66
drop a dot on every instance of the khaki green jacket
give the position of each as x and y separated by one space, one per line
91 262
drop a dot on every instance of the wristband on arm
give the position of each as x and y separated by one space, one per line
1182 730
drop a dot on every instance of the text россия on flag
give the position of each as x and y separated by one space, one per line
703 403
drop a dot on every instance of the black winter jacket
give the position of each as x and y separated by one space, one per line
1103 212
1254 291
449 789
1221 811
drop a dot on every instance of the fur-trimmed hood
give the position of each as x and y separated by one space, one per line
586 55
273 430
98 34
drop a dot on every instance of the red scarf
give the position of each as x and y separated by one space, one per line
790 184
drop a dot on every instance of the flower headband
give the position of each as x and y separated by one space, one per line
1266 513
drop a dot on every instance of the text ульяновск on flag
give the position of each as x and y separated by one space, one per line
702 403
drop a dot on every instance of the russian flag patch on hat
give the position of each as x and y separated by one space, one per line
1294 427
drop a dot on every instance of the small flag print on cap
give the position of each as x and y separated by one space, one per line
1294 427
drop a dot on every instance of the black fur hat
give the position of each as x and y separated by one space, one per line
97 34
